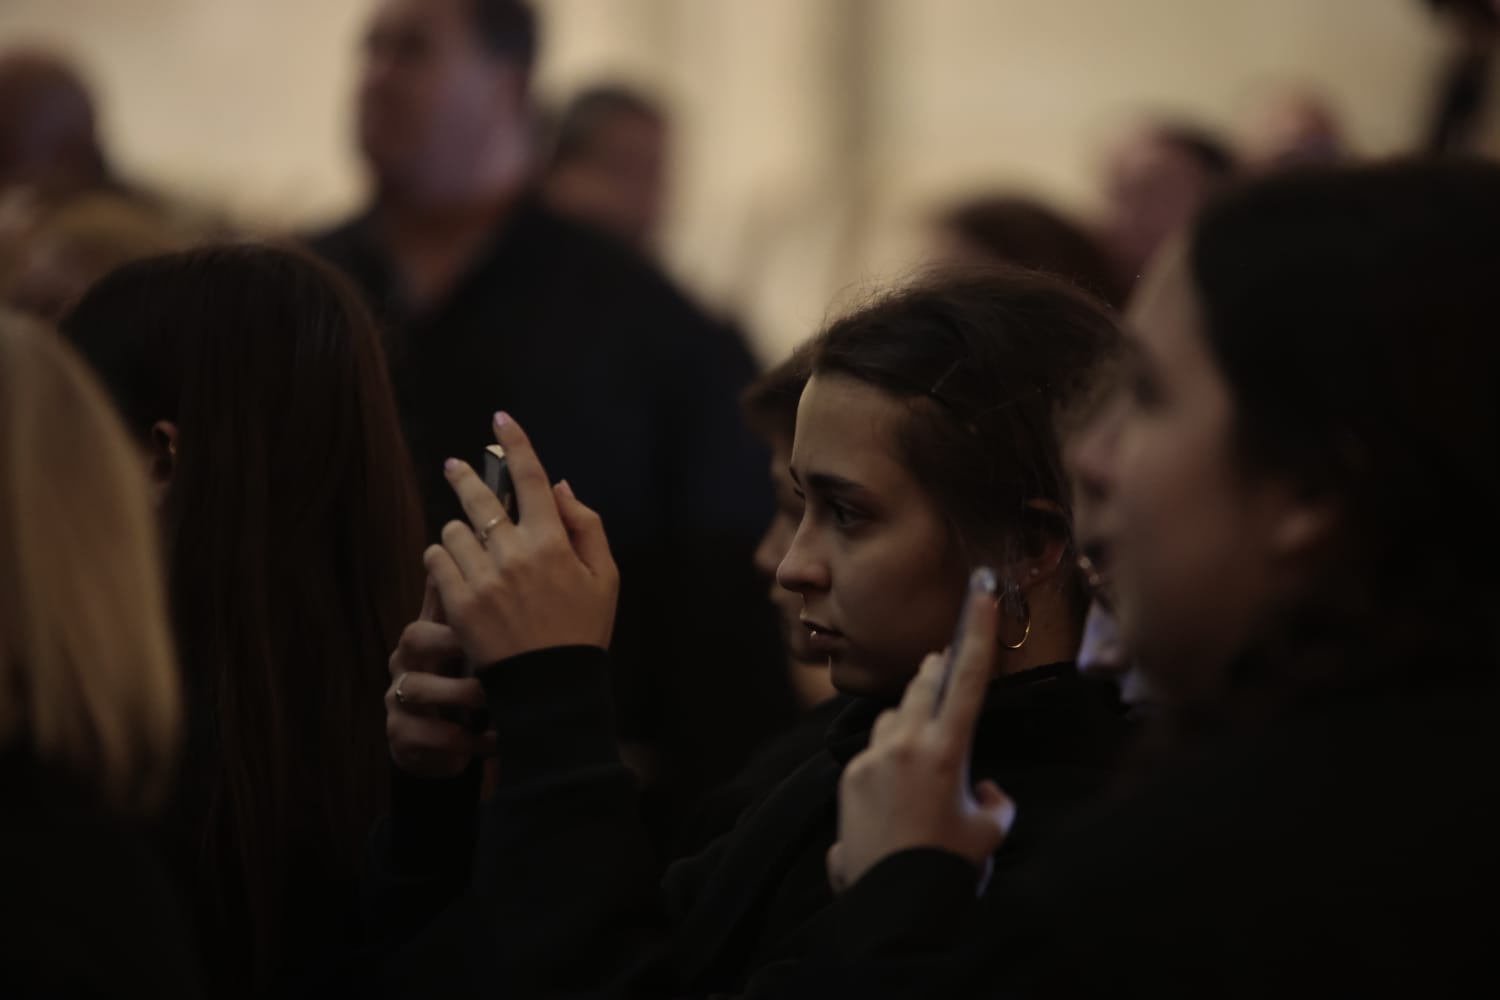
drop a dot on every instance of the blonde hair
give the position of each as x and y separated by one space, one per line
88 680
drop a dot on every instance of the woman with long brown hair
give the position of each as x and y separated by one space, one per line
254 382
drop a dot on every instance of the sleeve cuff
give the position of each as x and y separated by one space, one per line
552 711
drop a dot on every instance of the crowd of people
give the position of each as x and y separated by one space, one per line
1070 620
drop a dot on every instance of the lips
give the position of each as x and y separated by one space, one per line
820 637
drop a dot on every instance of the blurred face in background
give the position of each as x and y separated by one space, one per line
773 548
1197 549
1153 189
619 182
432 102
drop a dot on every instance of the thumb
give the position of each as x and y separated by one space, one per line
995 807
585 529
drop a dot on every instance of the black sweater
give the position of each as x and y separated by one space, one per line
86 905
548 890
629 392
1348 849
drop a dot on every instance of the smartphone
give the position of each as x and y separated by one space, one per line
497 478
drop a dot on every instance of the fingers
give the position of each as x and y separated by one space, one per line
445 575
470 557
480 506
922 693
885 726
974 661
432 604
420 691
423 643
994 803
585 530
533 489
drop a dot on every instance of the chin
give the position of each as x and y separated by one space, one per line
856 679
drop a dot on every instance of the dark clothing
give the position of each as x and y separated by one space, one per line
559 896
1347 850
722 807
630 393
87 908
316 928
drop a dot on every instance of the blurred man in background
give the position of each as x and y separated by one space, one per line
492 300
608 163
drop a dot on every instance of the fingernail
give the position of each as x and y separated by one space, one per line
502 418
567 490
983 582
450 465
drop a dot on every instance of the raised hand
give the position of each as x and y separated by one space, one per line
421 705
511 588
910 788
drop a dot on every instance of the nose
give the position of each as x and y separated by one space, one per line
803 569
1092 454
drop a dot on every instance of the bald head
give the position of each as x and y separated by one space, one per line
47 138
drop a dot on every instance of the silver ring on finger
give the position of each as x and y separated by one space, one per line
400 698
489 526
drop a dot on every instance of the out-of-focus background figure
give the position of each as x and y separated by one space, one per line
608 163
774 156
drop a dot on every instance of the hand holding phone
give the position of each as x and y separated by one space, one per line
911 787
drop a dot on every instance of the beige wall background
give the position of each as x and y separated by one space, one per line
813 135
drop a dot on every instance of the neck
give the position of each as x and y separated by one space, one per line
1054 638
412 217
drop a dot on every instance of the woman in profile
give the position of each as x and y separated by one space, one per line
253 383
91 711
1297 501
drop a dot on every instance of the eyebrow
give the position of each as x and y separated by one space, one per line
827 482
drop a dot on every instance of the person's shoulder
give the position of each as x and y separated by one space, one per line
610 269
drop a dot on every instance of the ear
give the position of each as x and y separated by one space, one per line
1046 544
162 457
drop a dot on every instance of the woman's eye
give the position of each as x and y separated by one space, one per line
1144 392
845 517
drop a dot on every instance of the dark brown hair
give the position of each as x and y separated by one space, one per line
984 361
506 30
294 540
1027 233
769 403
1353 313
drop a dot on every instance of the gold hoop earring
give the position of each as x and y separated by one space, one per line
1024 635
1026 632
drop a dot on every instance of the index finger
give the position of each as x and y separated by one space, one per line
973 660
534 499
483 509
432 604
